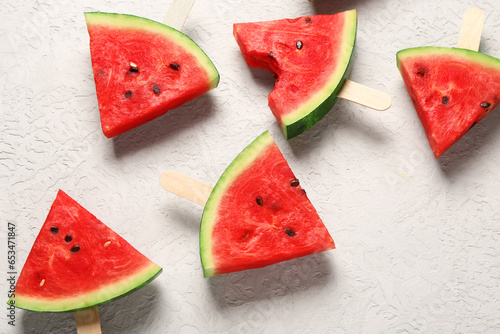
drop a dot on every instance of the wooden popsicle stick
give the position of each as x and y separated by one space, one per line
365 96
178 13
87 321
186 187
472 26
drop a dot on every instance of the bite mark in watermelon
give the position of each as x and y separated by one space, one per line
258 214
142 69
452 89
310 57
77 262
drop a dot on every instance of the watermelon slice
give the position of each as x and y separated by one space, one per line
142 69
258 214
310 58
452 89
77 262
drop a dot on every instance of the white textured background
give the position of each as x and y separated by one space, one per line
417 238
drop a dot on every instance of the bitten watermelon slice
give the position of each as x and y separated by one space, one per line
258 214
452 89
310 58
142 69
77 262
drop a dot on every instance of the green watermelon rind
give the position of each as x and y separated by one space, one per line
97 297
127 21
474 56
323 101
237 166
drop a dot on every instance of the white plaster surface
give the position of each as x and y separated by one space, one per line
417 238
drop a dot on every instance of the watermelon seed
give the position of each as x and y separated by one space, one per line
133 67
298 45
421 72
68 238
295 183
174 66
445 99
290 232
156 89
75 249
270 54
485 105
54 229
260 201
308 20
42 282
128 94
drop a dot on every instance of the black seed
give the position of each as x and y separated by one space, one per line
128 94
133 67
270 54
445 99
259 200
298 45
156 89
290 232
175 66
68 238
75 249
308 20
295 183
421 72
485 105
54 229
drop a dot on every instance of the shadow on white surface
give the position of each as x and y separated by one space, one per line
290 277
264 78
129 314
33 322
471 146
322 7
343 117
189 219
165 127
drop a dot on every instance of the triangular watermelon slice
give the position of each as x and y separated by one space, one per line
142 69
76 262
452 89
258 214
310 58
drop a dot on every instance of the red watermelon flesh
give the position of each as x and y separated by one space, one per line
259 214
142 69
310 58
76 262
452 89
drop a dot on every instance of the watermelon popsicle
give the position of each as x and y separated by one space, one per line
311 60
76 263
451 88
143 68
274 220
